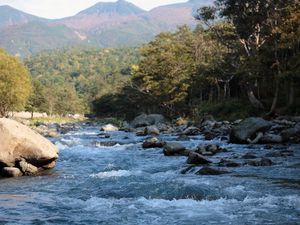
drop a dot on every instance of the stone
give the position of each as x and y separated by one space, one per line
228 163
271 138
196 158
247 129
152 143
210 171
27 168
19 142
291 133
144 120
109 128
191 131
11 172
209 149
152 130
173 148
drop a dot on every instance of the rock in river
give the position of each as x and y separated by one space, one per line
247 129
109 128
20 143
196 158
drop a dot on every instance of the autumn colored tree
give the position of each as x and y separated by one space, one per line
15 84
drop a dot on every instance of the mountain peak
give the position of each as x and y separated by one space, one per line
120 7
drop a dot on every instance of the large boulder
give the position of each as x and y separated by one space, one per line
23 148
144 120
247 129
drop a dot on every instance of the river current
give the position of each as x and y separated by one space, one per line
125 184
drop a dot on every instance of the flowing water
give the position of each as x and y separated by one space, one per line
125 184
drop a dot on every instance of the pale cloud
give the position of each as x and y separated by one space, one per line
63 8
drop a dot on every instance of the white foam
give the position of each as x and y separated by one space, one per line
115 173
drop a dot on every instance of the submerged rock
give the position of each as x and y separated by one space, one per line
228 163
210 171
196 158
20 143
262 162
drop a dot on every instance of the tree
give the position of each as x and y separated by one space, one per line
166 69
256 25
36 99
15 84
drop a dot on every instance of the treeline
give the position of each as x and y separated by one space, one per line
242 59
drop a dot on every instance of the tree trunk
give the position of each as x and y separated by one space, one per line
275 98
291 93
253 100
32 114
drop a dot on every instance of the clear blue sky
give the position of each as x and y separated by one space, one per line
63 8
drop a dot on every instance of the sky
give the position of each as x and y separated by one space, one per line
54 9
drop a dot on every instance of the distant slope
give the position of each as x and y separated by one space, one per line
110 24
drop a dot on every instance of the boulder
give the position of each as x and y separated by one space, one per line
152 143
196 158
109 128
144 120
20 143
247 129
11 172
173 148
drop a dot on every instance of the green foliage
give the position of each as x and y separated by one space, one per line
15 84
73 78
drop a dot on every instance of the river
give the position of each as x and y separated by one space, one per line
125 184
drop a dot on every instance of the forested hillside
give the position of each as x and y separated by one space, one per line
71 79
248 63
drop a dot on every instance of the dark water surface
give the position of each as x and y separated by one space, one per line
127 185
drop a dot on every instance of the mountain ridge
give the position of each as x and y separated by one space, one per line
105 24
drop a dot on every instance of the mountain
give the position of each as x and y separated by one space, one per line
106 24
10 17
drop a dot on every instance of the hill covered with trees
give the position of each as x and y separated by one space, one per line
71 79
